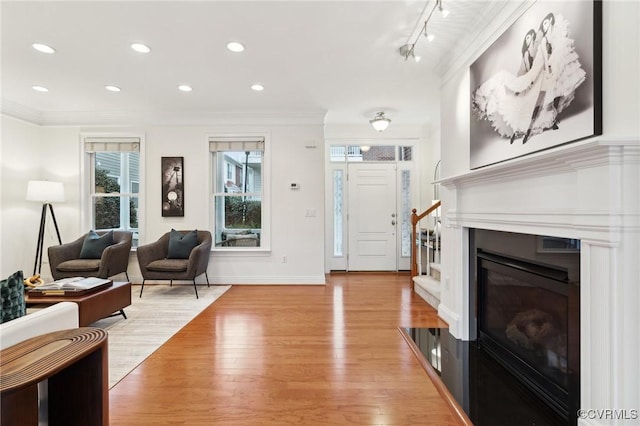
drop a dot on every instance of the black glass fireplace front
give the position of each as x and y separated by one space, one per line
528 320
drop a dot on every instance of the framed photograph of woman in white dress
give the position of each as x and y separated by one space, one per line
539 85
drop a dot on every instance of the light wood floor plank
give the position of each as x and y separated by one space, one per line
298 355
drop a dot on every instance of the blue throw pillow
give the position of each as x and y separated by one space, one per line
180 245
12 297
94 245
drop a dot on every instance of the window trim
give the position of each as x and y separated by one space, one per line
86 176
265 233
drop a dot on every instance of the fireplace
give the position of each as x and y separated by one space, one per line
527 312
585 192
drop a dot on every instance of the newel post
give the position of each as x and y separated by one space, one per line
414 238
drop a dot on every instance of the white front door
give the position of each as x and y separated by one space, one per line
372 217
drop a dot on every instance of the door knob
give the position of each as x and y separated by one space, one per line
393 215
393 222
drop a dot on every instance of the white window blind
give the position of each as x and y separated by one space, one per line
236 144
111 144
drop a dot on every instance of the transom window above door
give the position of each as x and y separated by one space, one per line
375 153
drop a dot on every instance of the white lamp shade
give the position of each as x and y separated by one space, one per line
45 191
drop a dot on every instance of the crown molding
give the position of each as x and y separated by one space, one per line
162 118
20 112
504 14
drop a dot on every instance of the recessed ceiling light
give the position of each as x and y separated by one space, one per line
40 88
43 48
139 47
185 88
235 46
112 88
257 87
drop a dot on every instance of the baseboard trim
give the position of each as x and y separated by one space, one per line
244 280
450 318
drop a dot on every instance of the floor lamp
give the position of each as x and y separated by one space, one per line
46 192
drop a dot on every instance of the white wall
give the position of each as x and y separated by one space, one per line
54 153
19 218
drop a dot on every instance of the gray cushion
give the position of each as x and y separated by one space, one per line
180 245
79 265
94 245
168 265
12 297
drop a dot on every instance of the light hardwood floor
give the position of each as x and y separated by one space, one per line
292 355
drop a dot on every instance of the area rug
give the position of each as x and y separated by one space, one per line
151 320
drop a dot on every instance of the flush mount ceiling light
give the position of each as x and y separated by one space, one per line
112 88
407 50
235 46
43 48
140 48
40 88
185 88
257 87
380 122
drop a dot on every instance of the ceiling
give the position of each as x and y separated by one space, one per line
338 57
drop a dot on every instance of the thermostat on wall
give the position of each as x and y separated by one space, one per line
295 185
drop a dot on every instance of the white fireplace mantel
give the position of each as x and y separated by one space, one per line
588 190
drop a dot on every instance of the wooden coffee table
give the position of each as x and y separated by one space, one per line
92 306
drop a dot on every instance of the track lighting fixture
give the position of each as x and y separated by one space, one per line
380 122
408 49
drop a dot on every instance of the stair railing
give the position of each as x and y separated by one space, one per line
417 242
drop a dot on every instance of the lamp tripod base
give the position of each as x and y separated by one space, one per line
37 265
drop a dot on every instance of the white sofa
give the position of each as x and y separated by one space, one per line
61 316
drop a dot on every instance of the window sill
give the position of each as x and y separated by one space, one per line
242 251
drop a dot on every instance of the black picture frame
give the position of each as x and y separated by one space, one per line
172 169
518 109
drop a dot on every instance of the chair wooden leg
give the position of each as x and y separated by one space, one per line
127 275
195 288
207 276
170 283
142 288
123 314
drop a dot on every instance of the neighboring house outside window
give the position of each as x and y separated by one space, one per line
113 177
239 206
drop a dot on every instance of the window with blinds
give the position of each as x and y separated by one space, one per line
114 183
238 176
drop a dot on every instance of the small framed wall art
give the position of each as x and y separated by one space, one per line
172 186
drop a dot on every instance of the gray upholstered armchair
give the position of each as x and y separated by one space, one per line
156 264
65 260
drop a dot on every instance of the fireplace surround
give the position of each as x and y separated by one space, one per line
586 191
